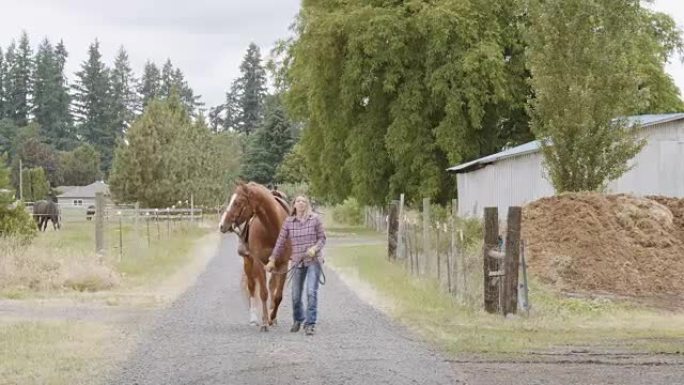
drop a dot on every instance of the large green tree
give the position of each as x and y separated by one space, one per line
30 146
142 167
168 157
93 106
395 92
592 62
293 169
80 167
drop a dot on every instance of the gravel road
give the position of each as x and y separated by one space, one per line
204 338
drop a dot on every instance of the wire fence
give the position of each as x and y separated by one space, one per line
125 229
443 248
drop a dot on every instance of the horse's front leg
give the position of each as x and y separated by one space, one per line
251 295
263 294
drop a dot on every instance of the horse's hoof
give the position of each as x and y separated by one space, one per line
254 323
264 328
273 322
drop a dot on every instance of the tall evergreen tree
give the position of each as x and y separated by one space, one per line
125 100
186 94
65 126
150 83
19 86
92 100
252 90
268 146
167 81
8 132
51 98
215 119
231 120
9 60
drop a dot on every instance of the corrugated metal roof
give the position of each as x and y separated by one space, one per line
532 147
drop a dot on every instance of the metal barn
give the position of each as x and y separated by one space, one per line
516 176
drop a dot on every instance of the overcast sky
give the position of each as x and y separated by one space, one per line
206 39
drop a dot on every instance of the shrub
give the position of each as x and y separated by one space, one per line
348 213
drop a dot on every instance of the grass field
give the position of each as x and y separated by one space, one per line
555 323
65 260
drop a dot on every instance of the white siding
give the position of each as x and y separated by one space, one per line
658 169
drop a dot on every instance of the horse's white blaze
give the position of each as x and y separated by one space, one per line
225 213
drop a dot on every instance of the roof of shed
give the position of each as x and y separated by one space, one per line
535 146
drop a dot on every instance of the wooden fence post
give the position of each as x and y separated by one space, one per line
401 247
511 261
426 269
452 272
136 215
99 223
491 243
392 230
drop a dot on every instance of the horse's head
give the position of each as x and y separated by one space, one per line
239 210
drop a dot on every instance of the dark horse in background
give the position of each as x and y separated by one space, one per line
44 211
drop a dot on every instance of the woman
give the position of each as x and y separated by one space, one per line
305 231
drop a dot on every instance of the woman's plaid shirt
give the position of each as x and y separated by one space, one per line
302 234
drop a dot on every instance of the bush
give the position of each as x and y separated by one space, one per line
16 221
348 213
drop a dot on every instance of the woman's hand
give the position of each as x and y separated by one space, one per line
270 265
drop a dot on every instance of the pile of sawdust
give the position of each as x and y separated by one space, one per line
607 243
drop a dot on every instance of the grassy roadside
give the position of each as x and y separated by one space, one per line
61 269
556 324
56 352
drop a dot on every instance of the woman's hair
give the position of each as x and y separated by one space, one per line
307 210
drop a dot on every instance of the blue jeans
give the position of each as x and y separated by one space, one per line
311 275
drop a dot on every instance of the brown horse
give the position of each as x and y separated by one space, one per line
257 215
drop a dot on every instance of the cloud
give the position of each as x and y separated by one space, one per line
206 39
